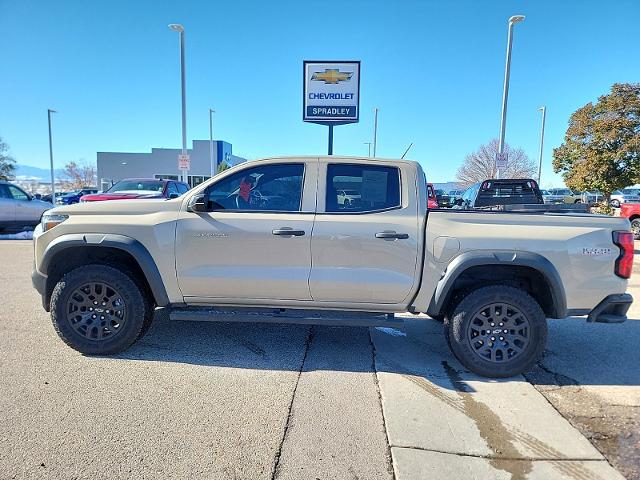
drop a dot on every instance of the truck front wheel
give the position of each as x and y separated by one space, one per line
497 331
98 310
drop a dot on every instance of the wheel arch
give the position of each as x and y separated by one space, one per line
71 251
529 271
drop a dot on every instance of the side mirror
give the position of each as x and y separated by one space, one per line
173 195
38 196
197 204
459 202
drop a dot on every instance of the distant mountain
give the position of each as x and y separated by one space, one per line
27 171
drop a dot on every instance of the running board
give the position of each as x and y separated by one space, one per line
290 316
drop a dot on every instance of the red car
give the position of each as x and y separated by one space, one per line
632 212
131 188
432 202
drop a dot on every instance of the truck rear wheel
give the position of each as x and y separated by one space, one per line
497 331
98 310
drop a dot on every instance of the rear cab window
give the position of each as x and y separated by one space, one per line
362 188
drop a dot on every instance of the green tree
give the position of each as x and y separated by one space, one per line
222 166
7 162
601 149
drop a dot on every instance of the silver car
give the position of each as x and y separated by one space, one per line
18 209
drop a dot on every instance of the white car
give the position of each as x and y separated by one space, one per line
348 197
18 209
627 195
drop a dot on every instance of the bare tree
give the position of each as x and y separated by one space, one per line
481 165
79 175
7 162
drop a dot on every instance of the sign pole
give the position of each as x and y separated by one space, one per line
330 152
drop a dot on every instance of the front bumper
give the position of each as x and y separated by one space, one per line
613 309
39 282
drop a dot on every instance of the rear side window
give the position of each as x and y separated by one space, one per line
362 188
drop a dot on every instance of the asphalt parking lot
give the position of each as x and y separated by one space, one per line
251 401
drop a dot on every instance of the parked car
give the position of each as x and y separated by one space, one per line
132 188
432 201
627 195
495 193
443 198
74 197
454 195
18 209
564 195
47 198
348 197
632 212
101 269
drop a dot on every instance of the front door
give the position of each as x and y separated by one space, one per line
7 206
254 242
364 250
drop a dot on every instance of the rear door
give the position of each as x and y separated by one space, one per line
365 251
254 242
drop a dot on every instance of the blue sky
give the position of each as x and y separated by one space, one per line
434 69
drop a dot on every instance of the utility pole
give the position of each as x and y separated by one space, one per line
180 29
214 164
544 115
369 145
505 91
53 180
375 131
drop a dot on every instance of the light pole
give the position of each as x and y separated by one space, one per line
505 92
375 130
180 29
369 145
544 115
53 180
214 166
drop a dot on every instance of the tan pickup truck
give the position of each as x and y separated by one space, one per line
273 240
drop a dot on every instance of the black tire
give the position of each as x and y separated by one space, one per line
515 357
635 228
121 333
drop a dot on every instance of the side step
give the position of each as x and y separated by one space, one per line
290 316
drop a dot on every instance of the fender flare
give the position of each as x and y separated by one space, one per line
97 240
509 258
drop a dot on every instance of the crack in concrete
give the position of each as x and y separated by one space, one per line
496 457
389 459
276 464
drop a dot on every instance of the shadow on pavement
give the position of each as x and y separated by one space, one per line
577 353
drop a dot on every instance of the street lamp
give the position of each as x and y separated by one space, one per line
213 162
505 92
180 29
375 131
53 180
544 115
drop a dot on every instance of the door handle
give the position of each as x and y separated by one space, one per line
389 235
288 232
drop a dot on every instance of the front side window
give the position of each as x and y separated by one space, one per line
362 188
17 194
266 188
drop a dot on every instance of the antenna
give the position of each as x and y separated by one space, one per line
406 151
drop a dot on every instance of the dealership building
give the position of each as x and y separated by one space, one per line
163 163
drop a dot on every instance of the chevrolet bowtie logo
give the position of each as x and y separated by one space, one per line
331 75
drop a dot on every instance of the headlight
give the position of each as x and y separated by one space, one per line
50 220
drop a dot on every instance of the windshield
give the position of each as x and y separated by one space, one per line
137 185
630 191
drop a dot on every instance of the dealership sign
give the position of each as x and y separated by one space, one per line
331 92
